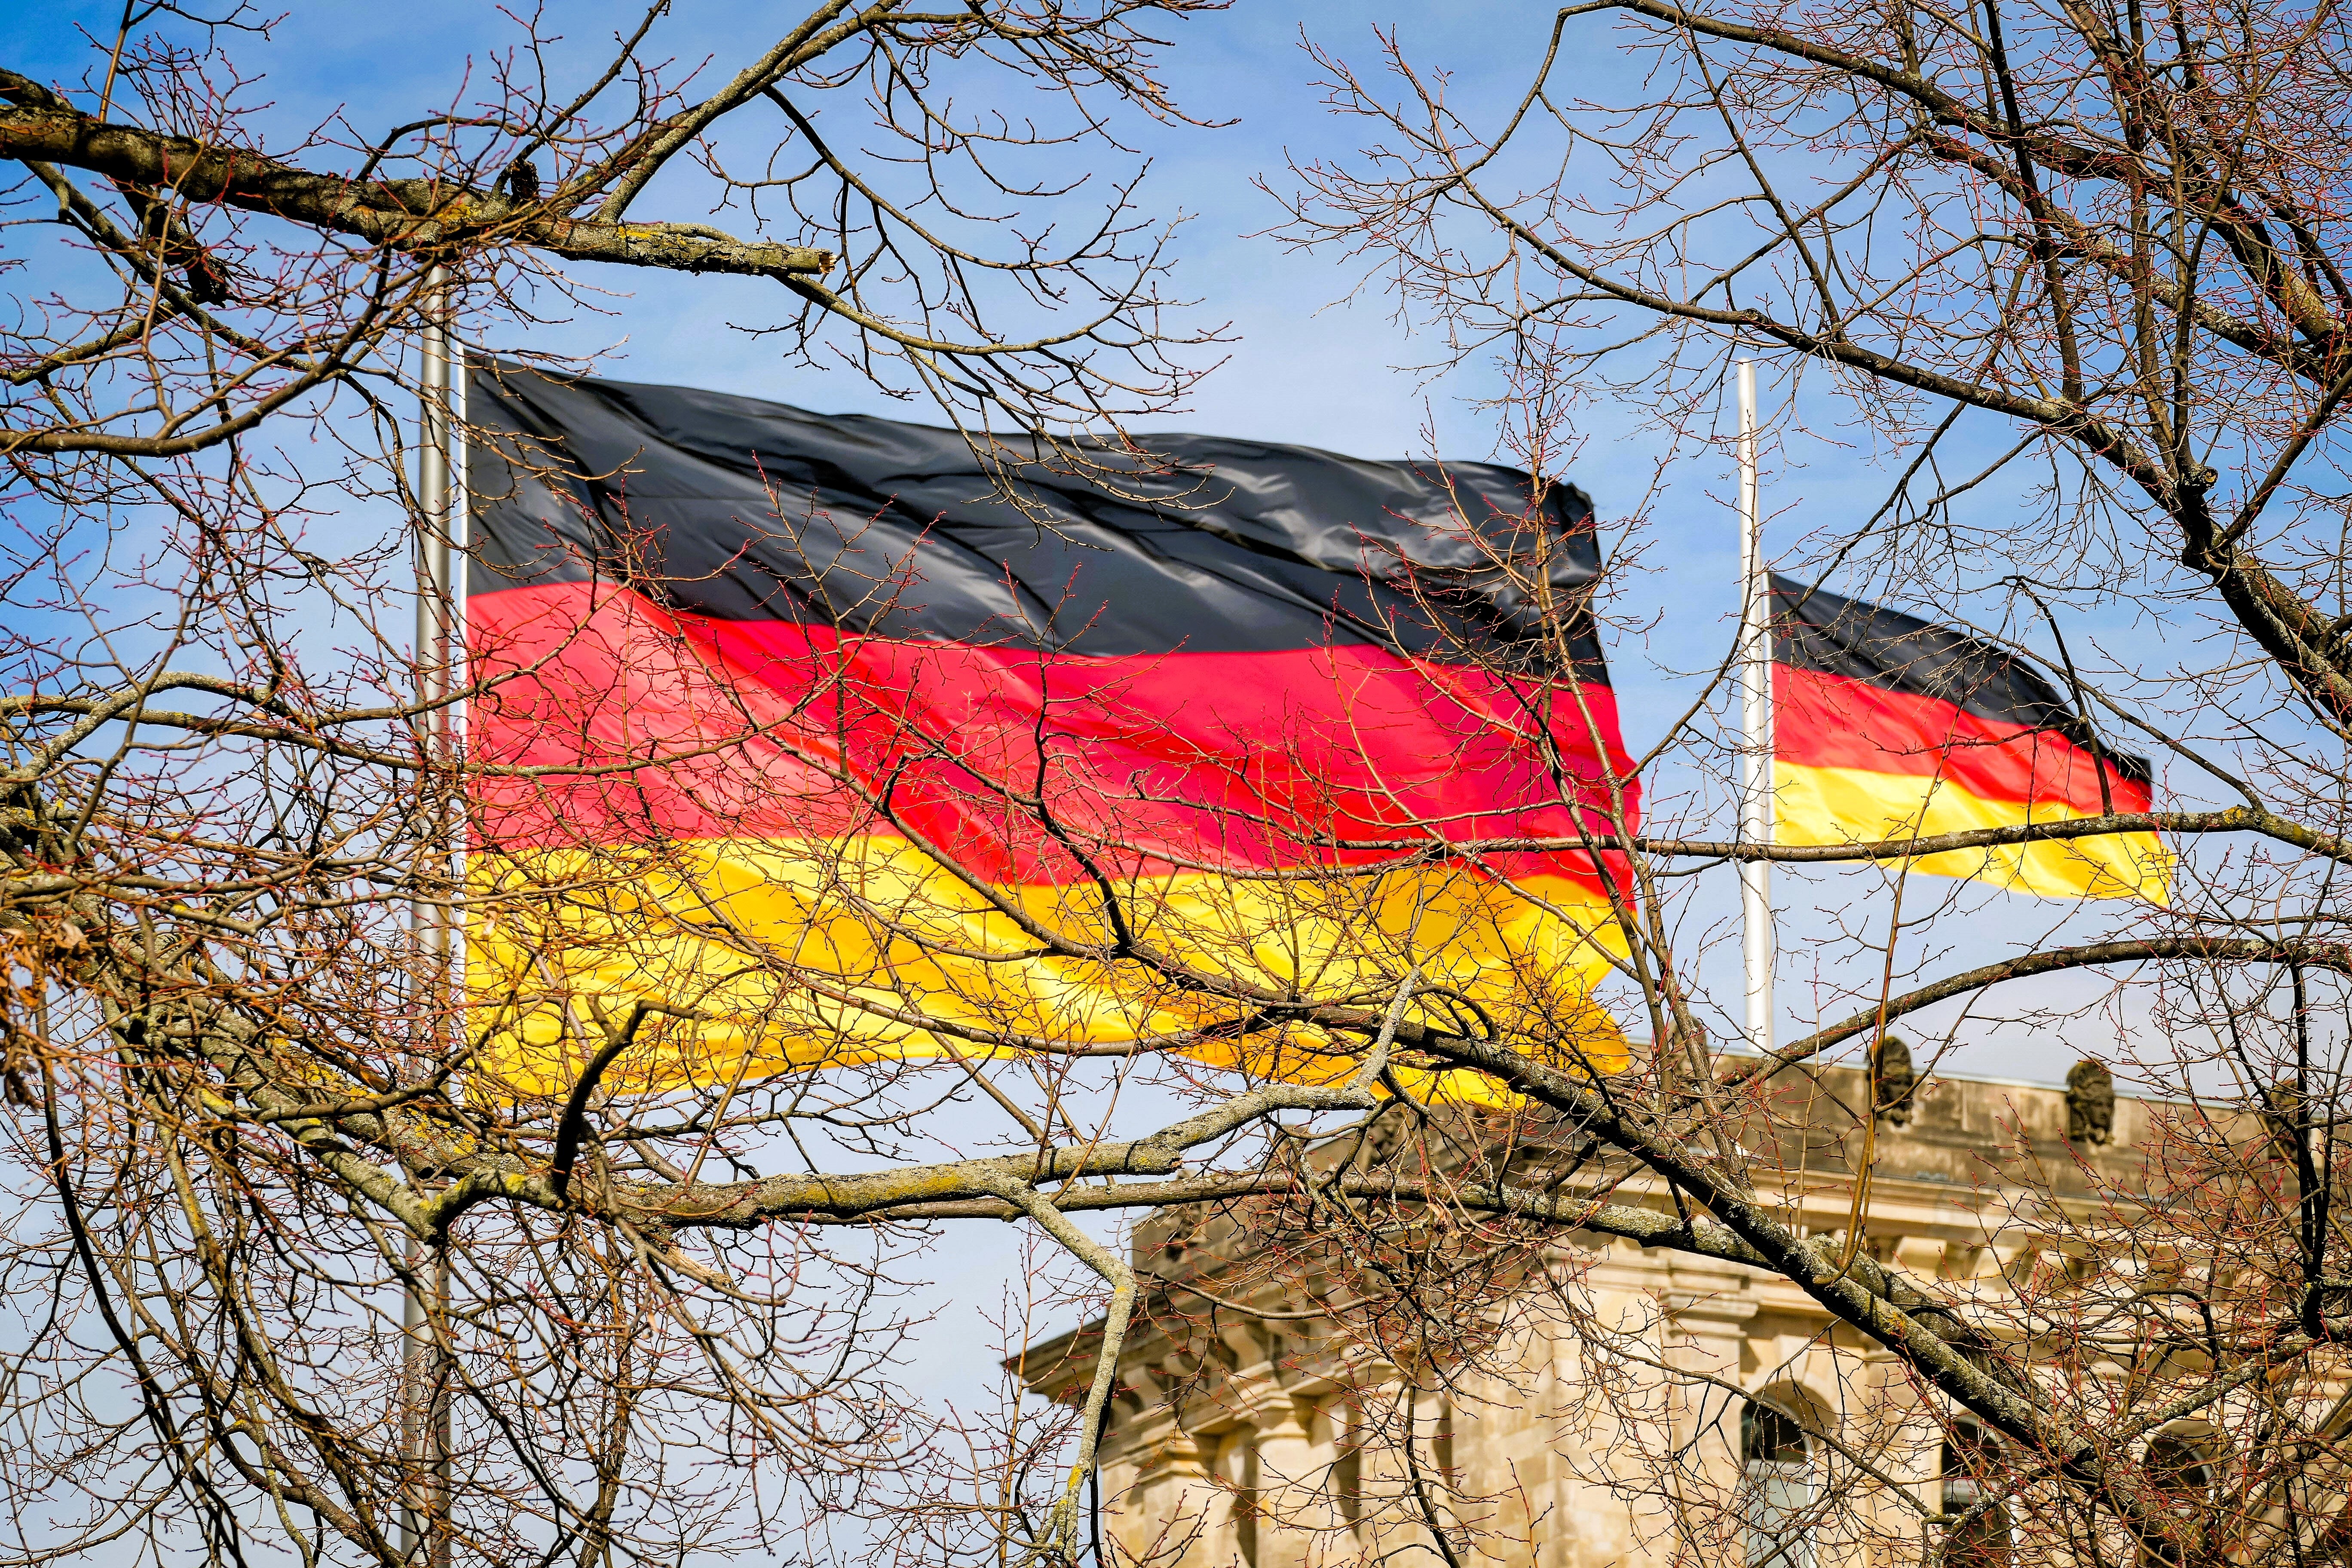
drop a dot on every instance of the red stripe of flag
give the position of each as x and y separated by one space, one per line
1238 761
1837 722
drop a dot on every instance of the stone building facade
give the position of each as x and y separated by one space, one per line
1668 1409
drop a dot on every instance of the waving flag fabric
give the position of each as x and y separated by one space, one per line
1886 726
807 731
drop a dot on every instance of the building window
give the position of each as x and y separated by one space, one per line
1981 1538
2183 1486
1776 1488
2180 1473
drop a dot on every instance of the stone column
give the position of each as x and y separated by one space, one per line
1159 1501
1585 1524
1294 1502
1909 1445
1708 1312
1233 1541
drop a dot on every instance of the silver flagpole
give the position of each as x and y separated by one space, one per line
1757 947
424 1400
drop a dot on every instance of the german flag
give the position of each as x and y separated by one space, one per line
799 727
1886 726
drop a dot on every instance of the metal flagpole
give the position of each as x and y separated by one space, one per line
1755 663
424 1413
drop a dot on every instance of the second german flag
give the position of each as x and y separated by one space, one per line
1889 727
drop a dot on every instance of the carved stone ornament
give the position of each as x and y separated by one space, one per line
1380 1141
2090 1103
1896 1079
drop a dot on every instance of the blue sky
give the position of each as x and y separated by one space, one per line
1298 373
